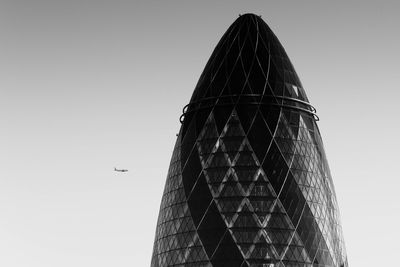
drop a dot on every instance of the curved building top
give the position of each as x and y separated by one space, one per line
249 66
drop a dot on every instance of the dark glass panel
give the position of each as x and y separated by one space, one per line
216 175
221 115
246 186
229 217
288 92
228 204
275 167
247 97
232 144
246 115
279 219
219 159
246 220
257 79
189 139
280 236
227 252
199 199
245 158
292 199
259 137
237 79
294 118
206 146
218 84
263 56
245 248
233 127
233 53
261 207
247 55
211 229
227 263
191 171
245 235
209 130
308 232
263 251
231 189
275 81
245 173
262 189
201 117
271 116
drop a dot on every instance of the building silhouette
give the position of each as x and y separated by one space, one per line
249 183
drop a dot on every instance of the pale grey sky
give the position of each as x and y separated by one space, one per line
89 85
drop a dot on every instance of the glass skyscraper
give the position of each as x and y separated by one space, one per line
249 183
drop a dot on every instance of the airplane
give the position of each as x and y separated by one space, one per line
121 170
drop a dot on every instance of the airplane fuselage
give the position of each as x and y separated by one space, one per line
122 170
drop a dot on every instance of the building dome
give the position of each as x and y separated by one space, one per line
249 183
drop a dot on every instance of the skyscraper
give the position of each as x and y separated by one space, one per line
249 183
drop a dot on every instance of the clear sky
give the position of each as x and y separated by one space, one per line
89 85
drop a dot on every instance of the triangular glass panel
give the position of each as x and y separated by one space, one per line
229 217
231 189
245 207
196 254
245 158
233 127
279 221
232 145
246 187
246 173
280 236
206 146
245 248
245 220
215 189
262 251
262 189
261 208
186 225
216 175
228 204
218 159
201 116
245 235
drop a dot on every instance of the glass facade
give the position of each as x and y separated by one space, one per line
249 183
